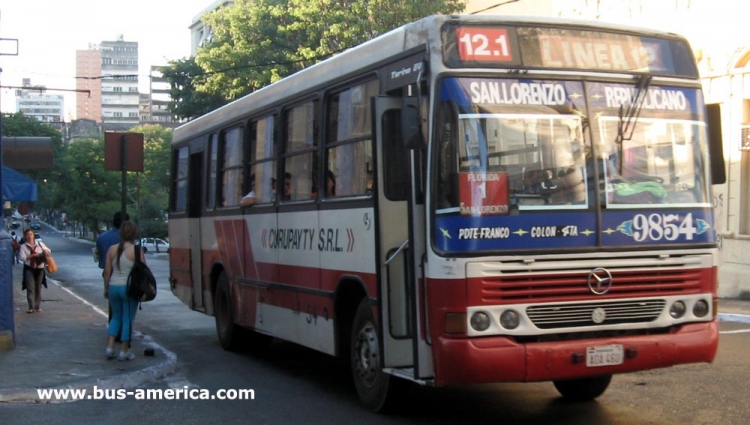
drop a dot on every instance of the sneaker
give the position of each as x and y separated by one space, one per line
109 353
125 355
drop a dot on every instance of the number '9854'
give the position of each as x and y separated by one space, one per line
663 226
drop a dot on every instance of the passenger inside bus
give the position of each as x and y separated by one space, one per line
330 185
287 196
249 199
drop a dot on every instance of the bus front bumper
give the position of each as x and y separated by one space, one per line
501 359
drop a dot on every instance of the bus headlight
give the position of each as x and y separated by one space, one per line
509 319
677 310
480 321
700 309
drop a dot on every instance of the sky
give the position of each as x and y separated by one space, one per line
50 31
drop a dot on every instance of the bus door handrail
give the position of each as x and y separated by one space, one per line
401 248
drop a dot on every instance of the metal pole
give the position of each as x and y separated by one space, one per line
7 322
124 169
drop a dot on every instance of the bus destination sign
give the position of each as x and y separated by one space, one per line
483 44
565 48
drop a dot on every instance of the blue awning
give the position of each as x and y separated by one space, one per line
18 187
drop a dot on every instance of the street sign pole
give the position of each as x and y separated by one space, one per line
124 169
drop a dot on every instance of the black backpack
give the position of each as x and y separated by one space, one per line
141 282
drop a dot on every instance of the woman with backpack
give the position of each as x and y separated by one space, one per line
119 262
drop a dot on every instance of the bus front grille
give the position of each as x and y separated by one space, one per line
605 313
524 288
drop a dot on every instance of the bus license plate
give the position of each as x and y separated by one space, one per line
607 355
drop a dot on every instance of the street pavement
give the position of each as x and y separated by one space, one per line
62 347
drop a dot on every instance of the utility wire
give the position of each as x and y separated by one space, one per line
493 6
221 71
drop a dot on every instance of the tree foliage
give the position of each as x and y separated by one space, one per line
153 184
185 100
89 194
80 186
257 42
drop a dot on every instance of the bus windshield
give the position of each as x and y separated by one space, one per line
509 146
661 164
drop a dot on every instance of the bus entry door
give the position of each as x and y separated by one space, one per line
195 173
398 299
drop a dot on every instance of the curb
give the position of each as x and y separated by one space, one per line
732 317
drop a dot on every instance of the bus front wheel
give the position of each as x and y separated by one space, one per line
371 382
583 389
226 329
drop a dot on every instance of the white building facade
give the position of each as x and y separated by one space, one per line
119 87
33 101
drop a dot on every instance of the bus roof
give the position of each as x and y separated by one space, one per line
424 32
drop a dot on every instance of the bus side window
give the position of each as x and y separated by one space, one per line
348 140
395 159
232 155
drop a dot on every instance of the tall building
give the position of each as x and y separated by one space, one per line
33 101
109 73
154 105
88 77
119 84
199 33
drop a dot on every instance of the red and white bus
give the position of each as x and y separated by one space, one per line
463 199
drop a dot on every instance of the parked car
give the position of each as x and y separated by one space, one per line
154 244
36 225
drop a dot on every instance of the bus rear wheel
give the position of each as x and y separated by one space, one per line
583 389
366 360
229 333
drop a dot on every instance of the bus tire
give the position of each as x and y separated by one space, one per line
366 360
584 389
229 333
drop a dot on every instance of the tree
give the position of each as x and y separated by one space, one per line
257 42
88 193
186 101
153 184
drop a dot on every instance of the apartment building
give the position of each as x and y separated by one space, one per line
154 105
33 101
119 84
88 84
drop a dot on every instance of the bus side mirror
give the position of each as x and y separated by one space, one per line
411 124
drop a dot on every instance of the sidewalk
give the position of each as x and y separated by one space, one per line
63 347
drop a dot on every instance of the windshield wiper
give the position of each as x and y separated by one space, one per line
628 119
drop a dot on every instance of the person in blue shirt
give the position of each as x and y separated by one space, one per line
109 238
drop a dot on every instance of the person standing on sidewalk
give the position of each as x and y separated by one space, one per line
107 239
119 260
32 254
16 245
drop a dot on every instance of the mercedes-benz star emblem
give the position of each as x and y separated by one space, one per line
600 281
